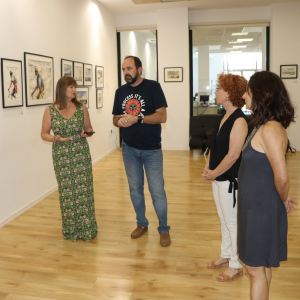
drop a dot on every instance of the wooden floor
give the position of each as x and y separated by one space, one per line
36 263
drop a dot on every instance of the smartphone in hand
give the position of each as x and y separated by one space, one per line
89 133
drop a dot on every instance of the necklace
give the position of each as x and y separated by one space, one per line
250 136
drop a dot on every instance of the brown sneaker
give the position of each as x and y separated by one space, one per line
138 232
165 239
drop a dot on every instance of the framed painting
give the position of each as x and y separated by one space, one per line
39 79
67 67
99 98
87 75
289 71
99 77
83 95
78 72
12 83
173 74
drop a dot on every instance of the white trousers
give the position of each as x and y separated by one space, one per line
228 219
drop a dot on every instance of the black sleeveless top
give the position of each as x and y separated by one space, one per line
220 146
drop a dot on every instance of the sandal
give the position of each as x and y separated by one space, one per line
214 266
228 278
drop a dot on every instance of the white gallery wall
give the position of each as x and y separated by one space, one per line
173 51
285 50
77 30
133 43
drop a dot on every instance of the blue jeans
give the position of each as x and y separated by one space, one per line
152 160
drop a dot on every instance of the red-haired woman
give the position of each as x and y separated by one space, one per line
222 169
264 182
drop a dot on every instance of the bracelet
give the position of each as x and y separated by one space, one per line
53 139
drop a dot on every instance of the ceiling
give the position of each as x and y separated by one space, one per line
127 7
218 39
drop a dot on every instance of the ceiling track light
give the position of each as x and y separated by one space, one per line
239 33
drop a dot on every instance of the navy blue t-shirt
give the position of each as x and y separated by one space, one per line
141 100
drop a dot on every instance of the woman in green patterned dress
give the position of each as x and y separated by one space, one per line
69 119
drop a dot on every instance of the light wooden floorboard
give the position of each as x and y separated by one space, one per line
36 263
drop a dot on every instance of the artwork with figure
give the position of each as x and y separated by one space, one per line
39 79
99 98
12 90
83 95
78 72
99 77
88 79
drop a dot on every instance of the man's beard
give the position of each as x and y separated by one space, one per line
131 80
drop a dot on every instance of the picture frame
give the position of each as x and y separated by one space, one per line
99 98
78 72
67 67
83 95
288 71
87 74
39 79
173 74
99 76
12 82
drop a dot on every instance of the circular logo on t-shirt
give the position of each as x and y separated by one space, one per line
133 107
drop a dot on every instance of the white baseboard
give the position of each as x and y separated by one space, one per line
26 207
103 156
18 212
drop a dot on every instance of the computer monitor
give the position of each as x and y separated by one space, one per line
204 98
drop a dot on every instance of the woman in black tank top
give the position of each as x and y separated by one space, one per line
264 182
222 169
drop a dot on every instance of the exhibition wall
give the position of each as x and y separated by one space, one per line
77 30
285 50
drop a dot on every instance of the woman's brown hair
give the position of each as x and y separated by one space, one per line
270 99
60 92
235 86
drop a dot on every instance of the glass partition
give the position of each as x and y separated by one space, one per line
240 51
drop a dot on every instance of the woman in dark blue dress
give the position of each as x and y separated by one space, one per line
263 182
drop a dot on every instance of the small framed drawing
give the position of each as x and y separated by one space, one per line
78 72
99 98
99 77
39 79
67 67
87 75
289 71
83 95
173 74
12 83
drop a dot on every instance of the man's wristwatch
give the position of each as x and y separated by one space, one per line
140 119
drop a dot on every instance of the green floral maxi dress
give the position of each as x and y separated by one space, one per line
73 169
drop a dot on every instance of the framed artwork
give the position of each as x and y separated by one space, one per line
99 98
289 71
83 95
78 72
99 77
67 67
12 83
39 79
88 75
173 74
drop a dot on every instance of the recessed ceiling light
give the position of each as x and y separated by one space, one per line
240 33
235 51
236 47
236 42
245 40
